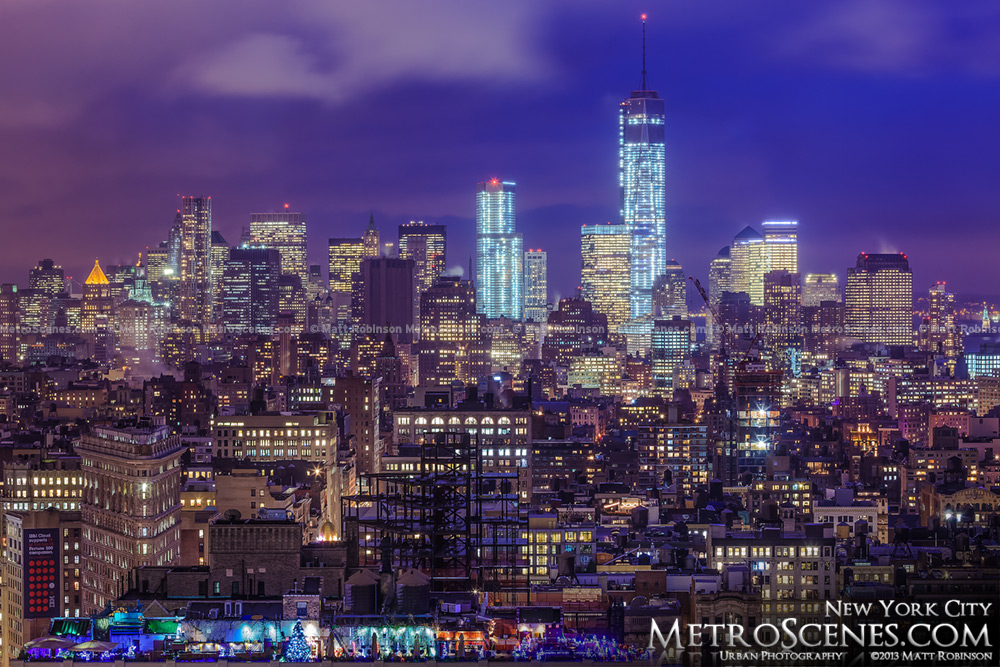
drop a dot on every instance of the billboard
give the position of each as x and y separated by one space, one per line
41 572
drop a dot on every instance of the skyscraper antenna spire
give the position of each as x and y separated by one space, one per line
642 84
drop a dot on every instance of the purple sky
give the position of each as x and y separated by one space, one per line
873 123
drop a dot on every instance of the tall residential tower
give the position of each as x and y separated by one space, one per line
536 285
196 280
499 252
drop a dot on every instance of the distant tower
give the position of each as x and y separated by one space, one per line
371 239
783 317
748 264
499 252
250 290
781 242
285 231
47 278
536 285
942 337
878 300
670 293
719 276
605 271
96 306
820 287
345 257
218 255
452 347
196 283
426 245
9 322
641 180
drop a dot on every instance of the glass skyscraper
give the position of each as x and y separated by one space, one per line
878 299
536 285
499 252
604 275
284 231
426 245
781 239
197 281
641 165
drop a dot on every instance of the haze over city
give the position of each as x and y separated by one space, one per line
873 124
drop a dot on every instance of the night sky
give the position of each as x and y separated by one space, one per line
874 123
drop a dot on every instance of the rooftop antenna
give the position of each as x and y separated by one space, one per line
642 85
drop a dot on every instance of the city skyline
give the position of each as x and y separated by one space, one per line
606 330
789 154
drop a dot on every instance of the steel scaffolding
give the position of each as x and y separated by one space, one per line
448 518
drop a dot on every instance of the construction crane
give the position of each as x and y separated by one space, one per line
729 341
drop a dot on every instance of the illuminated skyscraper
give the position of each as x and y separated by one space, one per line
96 306
9 322
345 260
781 242
536 285
292 301
940 335
748 264
605 275
370 239
284 231
499 252
878 300
670 343
452 345
426 246
719 276
47 278
196 283
641 181
250 288
670 293
218 255
820 287
783 320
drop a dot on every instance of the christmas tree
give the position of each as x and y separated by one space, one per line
298 649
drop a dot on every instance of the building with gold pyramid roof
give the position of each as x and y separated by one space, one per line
97 276
97 304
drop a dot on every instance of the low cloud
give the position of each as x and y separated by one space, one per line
341 50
